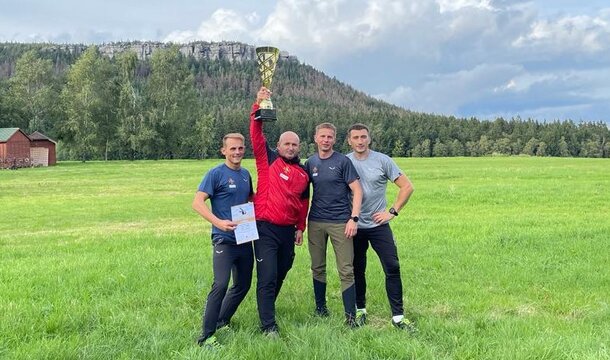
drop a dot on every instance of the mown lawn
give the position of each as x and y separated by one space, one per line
502 258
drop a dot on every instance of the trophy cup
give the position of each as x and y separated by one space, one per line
266 57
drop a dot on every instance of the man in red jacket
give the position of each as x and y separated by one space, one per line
281 202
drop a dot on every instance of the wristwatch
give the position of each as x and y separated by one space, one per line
393 211
355 218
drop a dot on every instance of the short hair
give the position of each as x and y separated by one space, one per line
232 136
326 125
358 126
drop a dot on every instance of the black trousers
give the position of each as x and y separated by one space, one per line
222 303
274 252
382 241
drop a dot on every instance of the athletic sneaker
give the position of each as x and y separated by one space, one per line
223 324
405 324
272 332
351 321
211 343
322 311
361 317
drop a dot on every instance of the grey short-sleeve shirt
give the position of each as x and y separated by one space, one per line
375 171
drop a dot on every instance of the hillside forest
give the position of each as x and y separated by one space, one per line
175 106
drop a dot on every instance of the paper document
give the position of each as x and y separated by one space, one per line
243 215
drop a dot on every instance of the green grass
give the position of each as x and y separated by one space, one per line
502 258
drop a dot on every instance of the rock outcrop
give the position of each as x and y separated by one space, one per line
226 50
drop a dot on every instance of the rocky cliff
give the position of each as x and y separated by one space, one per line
66 54
226 50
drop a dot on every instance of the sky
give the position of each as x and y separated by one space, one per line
543 59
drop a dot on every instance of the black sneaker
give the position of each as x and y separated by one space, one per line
223 324
272 332
361 317
322 311
405 324
351 321
210 343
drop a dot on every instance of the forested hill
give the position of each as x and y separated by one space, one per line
153 100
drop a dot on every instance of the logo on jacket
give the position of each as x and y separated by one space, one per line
284 174
314 171
232 183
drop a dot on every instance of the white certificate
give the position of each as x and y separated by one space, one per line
243 215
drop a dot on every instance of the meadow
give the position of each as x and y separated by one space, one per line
501 257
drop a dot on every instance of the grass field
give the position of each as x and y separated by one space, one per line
502 258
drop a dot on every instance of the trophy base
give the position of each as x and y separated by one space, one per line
265 115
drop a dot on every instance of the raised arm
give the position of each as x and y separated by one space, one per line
259 142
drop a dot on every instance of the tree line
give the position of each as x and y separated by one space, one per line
175 106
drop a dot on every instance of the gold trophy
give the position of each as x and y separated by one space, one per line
266 56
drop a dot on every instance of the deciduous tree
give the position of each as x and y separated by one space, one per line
89 100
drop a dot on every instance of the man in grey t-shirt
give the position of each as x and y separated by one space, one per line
375 170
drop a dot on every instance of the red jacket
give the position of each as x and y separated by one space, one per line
282 192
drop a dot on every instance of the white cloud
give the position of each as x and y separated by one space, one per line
446 93
489 91
590 34
454 5
324 30
318 30
524 81
223 24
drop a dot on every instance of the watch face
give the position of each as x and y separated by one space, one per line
355 218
